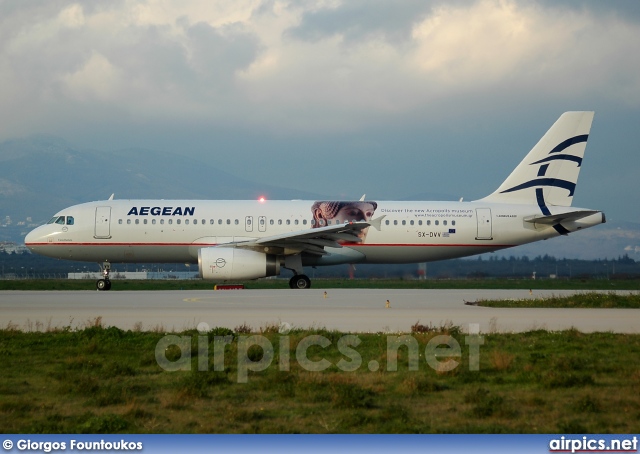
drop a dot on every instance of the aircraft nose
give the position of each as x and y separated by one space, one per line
31 238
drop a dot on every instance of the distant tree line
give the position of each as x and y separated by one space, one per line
27 265
544 267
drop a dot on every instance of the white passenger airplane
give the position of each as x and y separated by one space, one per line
237 240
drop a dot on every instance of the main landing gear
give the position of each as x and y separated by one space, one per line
104 284
300 281
294 263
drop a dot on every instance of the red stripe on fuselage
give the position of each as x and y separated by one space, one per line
215 244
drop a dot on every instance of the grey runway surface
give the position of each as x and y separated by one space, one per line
353 310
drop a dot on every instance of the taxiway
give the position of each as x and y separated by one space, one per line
348 310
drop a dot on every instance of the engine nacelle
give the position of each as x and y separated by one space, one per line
225 264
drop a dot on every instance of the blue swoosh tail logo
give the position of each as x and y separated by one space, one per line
543 181
554 182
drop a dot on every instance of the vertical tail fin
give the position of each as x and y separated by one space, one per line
549 173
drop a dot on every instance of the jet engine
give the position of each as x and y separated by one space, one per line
225 264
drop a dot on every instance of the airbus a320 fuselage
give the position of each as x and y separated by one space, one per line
238 240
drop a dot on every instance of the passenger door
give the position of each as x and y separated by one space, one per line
103 223
485 230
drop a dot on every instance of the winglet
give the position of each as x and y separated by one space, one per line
377 222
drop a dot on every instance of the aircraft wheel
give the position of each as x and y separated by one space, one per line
103 284
300 281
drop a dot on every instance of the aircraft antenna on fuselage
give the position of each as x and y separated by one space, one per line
111 198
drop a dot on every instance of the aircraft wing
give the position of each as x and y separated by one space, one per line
312 241
558 218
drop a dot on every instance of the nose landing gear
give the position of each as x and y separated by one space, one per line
104 284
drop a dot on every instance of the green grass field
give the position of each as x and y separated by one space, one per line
105 380
586 300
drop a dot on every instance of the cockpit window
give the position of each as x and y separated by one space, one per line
62 220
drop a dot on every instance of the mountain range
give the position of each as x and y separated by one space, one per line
41 174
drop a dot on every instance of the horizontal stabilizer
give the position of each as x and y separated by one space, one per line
558 218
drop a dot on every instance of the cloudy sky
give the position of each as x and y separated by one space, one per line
389 98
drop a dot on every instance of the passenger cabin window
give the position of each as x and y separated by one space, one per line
119 221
